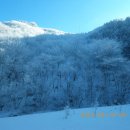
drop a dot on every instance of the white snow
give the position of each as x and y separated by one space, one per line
12 29
74 121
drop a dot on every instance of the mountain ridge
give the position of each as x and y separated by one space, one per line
22 29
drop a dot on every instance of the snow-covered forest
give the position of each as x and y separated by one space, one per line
48 72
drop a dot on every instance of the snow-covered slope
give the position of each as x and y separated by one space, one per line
76 120
22 29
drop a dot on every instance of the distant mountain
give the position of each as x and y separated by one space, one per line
24 29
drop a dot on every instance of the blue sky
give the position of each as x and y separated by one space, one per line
68 15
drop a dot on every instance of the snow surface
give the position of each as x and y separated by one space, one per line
74 121
24 29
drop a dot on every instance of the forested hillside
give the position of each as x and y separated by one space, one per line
118 30
49 72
